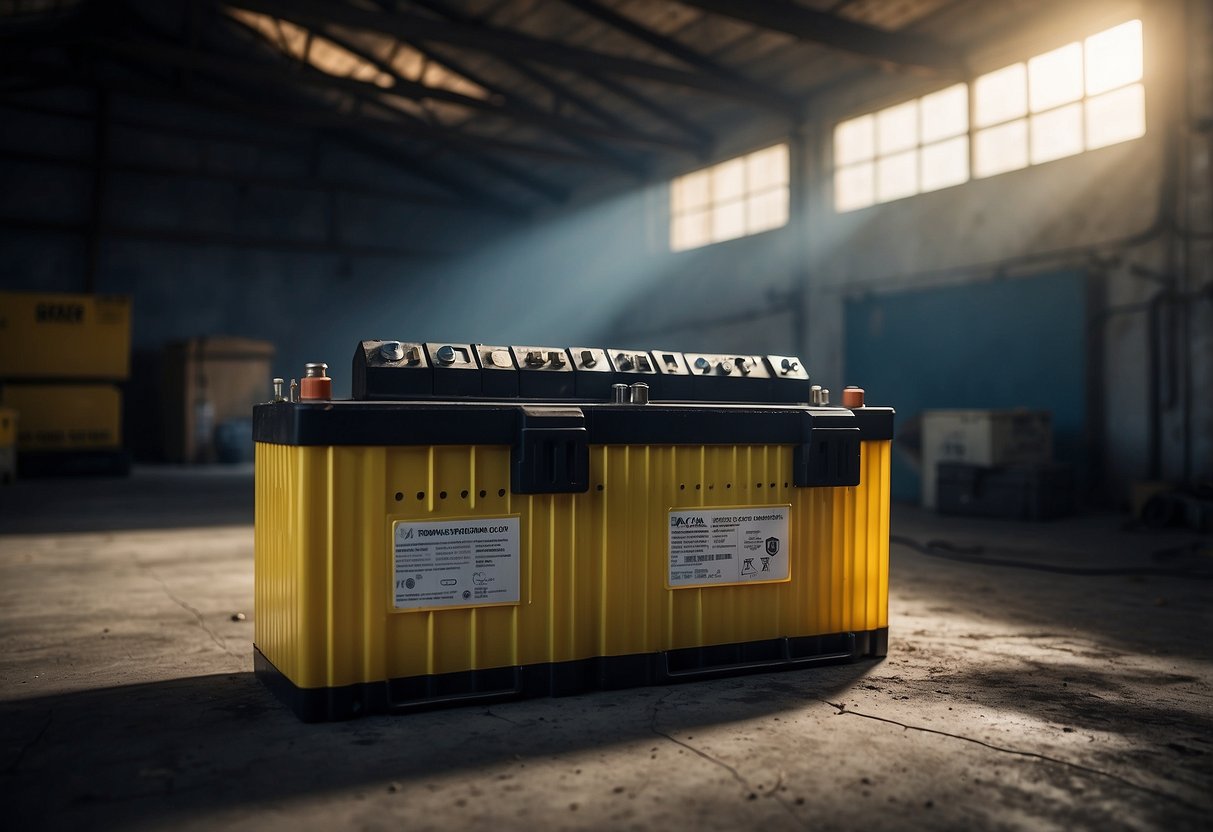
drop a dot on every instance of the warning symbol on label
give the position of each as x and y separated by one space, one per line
772 546
747 568
766 564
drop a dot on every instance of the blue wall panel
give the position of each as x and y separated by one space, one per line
1000 344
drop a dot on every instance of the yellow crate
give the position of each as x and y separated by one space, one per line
62 336
65 417
595 606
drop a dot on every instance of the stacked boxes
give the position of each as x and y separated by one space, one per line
61 359
209 387
982 437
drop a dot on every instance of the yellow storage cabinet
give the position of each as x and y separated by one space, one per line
65 417
64 336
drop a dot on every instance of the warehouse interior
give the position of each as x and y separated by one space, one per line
994 218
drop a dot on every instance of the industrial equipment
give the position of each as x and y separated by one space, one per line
481 522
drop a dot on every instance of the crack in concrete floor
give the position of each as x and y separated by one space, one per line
191 609
842 710
752 791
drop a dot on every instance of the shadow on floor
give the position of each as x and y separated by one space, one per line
153 497
118 757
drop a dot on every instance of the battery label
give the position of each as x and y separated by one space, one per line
455 563
728 546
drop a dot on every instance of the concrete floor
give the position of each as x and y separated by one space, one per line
1010 699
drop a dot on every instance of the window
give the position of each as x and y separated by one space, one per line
1079 97
732 199
921 145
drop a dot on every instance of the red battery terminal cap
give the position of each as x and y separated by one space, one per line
315 384
852 397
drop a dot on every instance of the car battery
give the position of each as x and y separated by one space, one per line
416 549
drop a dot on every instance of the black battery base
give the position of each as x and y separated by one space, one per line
490 685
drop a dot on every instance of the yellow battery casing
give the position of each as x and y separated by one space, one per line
64 336
594 565
65 417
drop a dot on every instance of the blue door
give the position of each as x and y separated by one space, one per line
997 344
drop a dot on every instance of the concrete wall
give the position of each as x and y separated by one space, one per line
210 256
1111 212
599 271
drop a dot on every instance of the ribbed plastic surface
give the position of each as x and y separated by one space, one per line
593 566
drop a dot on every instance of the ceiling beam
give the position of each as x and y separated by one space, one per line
347 130
668 45
311 113
311 184
265 72
206 239
582 136
565 128
637 167
657 110
470 143
406 162
289 143
904 49
509 43
701 138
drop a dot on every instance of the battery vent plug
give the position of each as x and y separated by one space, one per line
316 385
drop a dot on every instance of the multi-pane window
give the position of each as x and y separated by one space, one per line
1081 96
920 145
1078 97
732 199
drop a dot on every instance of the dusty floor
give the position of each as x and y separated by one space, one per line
1010 698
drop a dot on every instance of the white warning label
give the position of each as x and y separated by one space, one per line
455 563
728 545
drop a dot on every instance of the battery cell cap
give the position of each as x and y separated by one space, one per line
852 396
316 384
